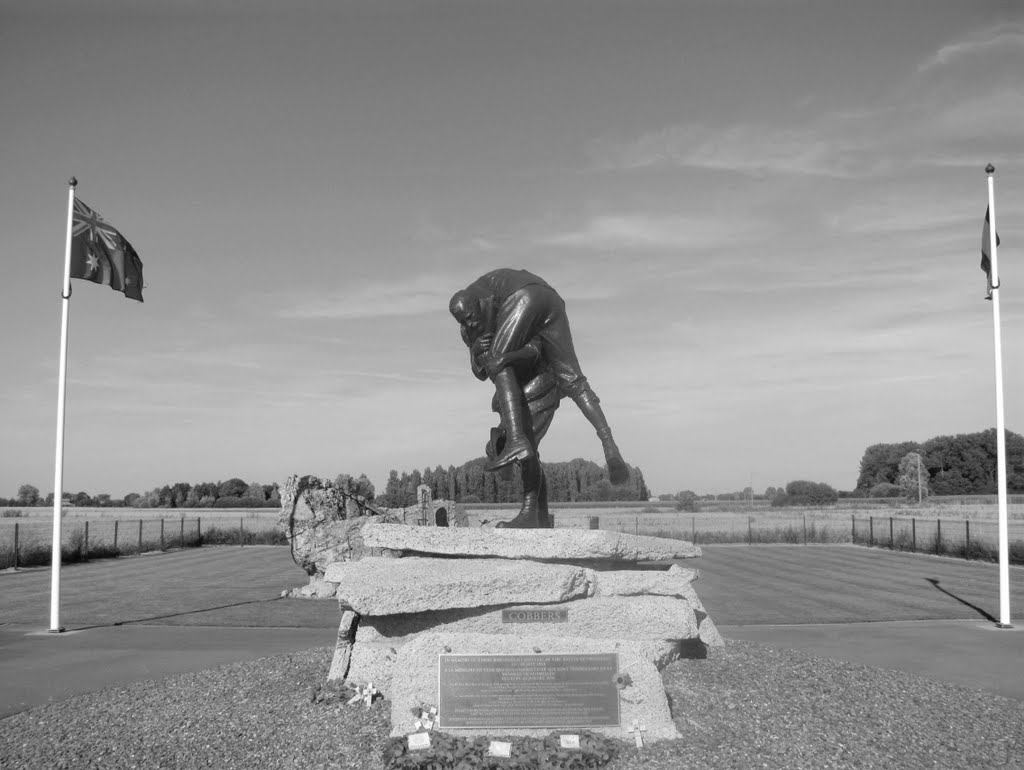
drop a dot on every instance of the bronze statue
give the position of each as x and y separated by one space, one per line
518 335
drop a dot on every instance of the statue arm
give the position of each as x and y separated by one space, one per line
477 352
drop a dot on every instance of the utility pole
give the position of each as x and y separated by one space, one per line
919 478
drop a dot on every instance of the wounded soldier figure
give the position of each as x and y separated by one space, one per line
518 335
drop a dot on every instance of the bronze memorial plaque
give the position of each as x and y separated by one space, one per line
536 691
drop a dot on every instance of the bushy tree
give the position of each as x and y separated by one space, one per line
807 493
885 489
28 495
232 488
913 477
687 501
361 486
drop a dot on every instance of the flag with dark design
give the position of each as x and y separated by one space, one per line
99 253
986 258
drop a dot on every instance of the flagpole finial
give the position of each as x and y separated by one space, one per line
73 182
990 169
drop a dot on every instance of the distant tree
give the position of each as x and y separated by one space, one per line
255 492
913 477
179 493
807 493
600 490
881 463
131 500
232 488
151 499
393 497
274 498
361 486
81 499
165 497
885 489
687 501
102 500
28 495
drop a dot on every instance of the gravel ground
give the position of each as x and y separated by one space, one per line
746 706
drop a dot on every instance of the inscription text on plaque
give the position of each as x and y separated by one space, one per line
529 691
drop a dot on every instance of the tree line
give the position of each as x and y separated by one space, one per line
572 481
233 493
964 464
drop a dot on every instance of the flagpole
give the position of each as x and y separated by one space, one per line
1004 541
58 472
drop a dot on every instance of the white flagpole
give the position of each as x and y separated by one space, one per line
58 472
1004 541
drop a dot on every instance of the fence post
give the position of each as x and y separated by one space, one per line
913 533
241 541
853 528
938 536
181 539
892 544
967 535
871 530
693 529
161 533
199 530
85 542
805 529
750 530
15 545
115 534
636 526
140 535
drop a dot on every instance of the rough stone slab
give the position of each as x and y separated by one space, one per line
343 646
372 662
672 582
654 618
317 588
415 679
535 544
382 586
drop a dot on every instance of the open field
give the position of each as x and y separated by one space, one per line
947 527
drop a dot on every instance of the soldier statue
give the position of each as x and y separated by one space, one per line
518 336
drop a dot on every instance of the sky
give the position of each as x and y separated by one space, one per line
764 216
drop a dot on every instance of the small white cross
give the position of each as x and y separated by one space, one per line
638 729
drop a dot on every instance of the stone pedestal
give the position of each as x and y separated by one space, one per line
516 591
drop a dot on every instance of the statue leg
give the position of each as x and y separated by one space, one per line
543 517
590 405
511 408
534 493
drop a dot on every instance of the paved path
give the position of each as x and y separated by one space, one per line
153 616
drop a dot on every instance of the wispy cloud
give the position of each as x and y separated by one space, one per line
750 148
1008 36
654 231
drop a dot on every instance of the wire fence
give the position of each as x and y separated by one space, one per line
967 539
28 542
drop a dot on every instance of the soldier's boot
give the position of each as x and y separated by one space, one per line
533 513
590 405
509 396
